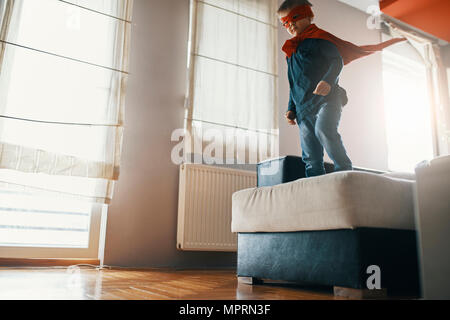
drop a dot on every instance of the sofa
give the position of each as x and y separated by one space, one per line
332 230
433 224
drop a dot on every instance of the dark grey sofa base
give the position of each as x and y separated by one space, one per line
333 257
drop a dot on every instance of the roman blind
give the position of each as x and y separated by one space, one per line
232 92
63 74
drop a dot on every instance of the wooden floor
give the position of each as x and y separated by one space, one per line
155 284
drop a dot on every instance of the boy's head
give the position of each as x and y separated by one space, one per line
295 15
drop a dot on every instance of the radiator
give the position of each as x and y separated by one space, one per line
204 206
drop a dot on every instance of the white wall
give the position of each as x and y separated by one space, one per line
362 123
141 228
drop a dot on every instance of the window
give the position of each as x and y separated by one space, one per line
232 96
63 72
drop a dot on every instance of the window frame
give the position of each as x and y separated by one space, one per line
195 135
95 249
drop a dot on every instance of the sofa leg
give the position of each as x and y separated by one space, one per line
250 280
360 293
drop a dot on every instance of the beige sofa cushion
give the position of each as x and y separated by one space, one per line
340 200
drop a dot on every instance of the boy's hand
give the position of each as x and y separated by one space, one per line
322 89
290 117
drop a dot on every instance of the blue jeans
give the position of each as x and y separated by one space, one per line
320 131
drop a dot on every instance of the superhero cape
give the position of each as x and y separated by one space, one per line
348 50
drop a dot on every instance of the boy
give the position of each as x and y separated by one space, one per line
315 60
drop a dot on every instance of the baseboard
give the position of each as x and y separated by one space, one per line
40 262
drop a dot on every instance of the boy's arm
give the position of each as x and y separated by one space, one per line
291 105
331 53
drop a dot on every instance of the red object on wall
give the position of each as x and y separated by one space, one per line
431 16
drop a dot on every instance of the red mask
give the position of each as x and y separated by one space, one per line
297 13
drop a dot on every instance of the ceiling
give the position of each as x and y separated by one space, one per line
430 16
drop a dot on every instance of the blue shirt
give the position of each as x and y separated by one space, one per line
314 60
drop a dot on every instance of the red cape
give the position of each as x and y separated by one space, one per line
348 50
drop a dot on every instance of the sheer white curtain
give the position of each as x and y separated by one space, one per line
64 67
430 51
232 96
